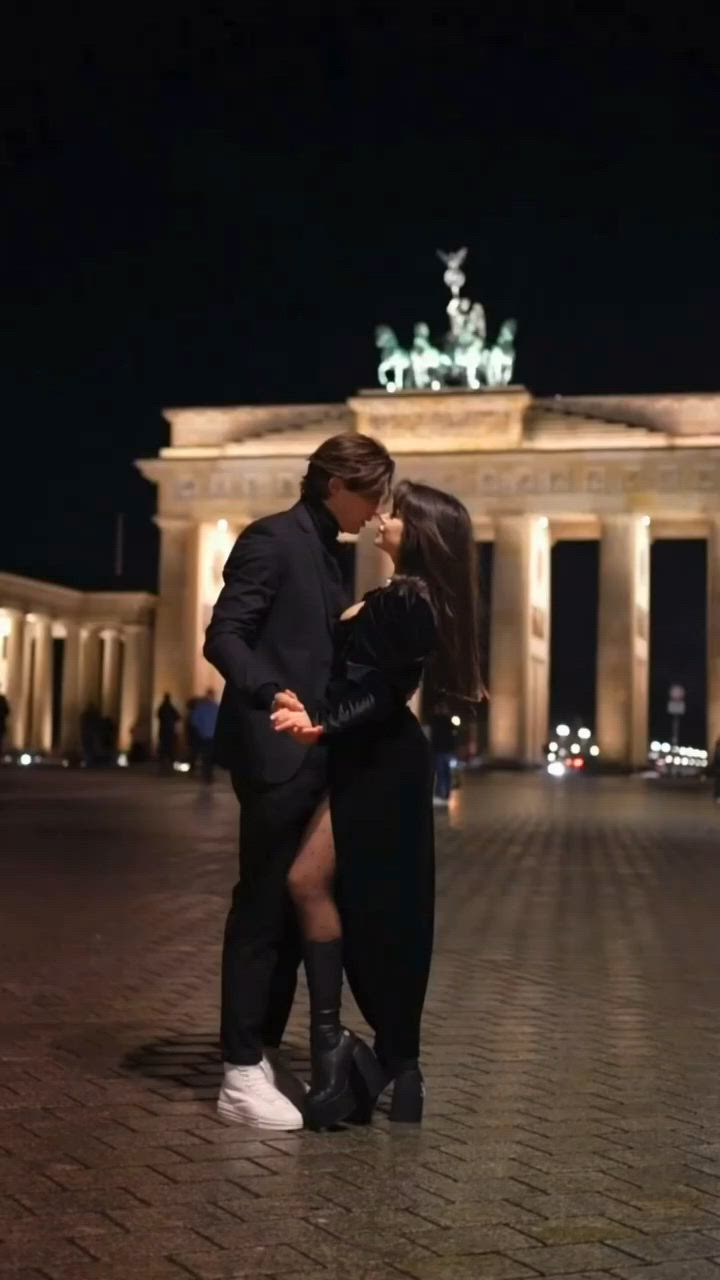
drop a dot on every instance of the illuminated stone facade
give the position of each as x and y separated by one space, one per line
623 470
61 650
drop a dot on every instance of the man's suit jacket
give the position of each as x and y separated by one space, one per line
272 625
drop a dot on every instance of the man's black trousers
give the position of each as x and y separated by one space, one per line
261 950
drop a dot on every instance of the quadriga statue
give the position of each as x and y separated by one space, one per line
465 361
466 340
428 364
394 360
499 361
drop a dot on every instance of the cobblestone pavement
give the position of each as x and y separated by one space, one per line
572 1049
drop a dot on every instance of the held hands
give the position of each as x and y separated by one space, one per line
290 716
286 701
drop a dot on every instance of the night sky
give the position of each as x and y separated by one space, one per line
218 208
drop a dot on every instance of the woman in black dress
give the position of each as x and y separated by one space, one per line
363 880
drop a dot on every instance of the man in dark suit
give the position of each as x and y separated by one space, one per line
272 629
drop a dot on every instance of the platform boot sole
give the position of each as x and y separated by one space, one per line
360 1093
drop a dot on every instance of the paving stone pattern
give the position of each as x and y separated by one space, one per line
572 1048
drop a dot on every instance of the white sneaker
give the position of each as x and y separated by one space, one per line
289 1085
247 1096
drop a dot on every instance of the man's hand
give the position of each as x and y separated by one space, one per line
296 722
286 701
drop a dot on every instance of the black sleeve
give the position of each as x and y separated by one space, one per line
252 577
265 695
366 695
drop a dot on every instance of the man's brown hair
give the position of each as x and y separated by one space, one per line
363 464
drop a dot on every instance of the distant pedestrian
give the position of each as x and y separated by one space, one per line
203 719
4 717
91 734
139 751
167 718
108 739
716 771
442 741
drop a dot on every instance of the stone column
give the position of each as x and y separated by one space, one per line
372 566
70 704
520 639
90 664
713 633
136 691
623 641
17 678
176 618
112 655
28 667
41 713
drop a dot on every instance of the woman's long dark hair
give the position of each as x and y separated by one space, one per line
438 546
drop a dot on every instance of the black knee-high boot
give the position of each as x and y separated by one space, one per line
344 1069
324 973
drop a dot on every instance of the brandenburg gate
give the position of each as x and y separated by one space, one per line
624 470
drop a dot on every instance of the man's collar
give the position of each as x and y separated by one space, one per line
324 521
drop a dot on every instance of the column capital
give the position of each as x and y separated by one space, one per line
40 620
625 520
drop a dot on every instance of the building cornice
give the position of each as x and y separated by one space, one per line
96 608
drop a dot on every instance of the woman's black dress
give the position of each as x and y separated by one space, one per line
380 781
